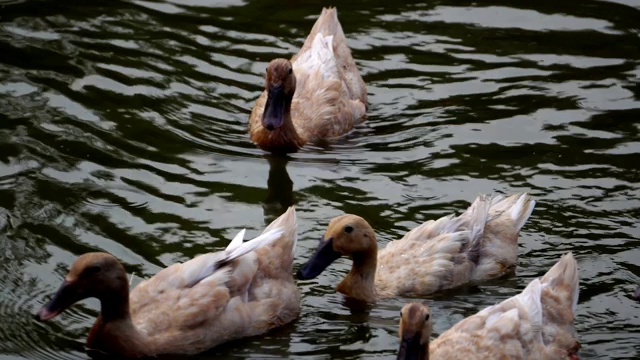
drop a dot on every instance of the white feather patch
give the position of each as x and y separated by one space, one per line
521 210
237 240
203 266
320 57
263 240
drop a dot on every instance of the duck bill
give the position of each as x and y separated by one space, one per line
323 257
65 297
275 108
410 348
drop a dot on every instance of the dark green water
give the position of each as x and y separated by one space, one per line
123 129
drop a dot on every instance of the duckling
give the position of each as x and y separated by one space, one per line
318 94
479 245
244 290
535 324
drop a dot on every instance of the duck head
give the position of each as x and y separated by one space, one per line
414 332
97 275
348 235
280 85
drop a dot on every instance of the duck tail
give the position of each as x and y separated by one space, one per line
562 279
478 214
283 250
518 207
327 23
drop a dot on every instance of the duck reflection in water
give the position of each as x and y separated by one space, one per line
279 188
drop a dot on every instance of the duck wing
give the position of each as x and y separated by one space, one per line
436 255
322 106
328 25
184 295
330 97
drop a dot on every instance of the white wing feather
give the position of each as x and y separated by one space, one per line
320 57
203 266
237 240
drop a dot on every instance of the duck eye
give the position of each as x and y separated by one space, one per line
290 71
348 229
426 317
93 269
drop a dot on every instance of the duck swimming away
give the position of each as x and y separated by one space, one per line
535 324
244 290
478 245
318 94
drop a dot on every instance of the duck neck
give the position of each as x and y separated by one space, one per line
360 282
286 135
115 306
114 331
283 139
413 348
424 352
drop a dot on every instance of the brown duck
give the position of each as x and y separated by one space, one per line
316 95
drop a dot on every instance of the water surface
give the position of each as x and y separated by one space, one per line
123 129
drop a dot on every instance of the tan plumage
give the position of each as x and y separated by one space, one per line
244 290
318 94
478 245
535 324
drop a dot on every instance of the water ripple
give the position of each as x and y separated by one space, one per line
123 128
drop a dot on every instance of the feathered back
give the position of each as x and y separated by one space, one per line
346 63
206 266
327 24
538 323
337 62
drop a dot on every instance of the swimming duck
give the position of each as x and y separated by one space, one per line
316 95
244 290
535 324
478 245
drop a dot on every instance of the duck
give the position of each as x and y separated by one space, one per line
478 245
316 95
536 324
244 290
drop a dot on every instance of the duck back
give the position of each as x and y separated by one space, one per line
535 324
328 25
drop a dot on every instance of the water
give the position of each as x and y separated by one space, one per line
123 129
